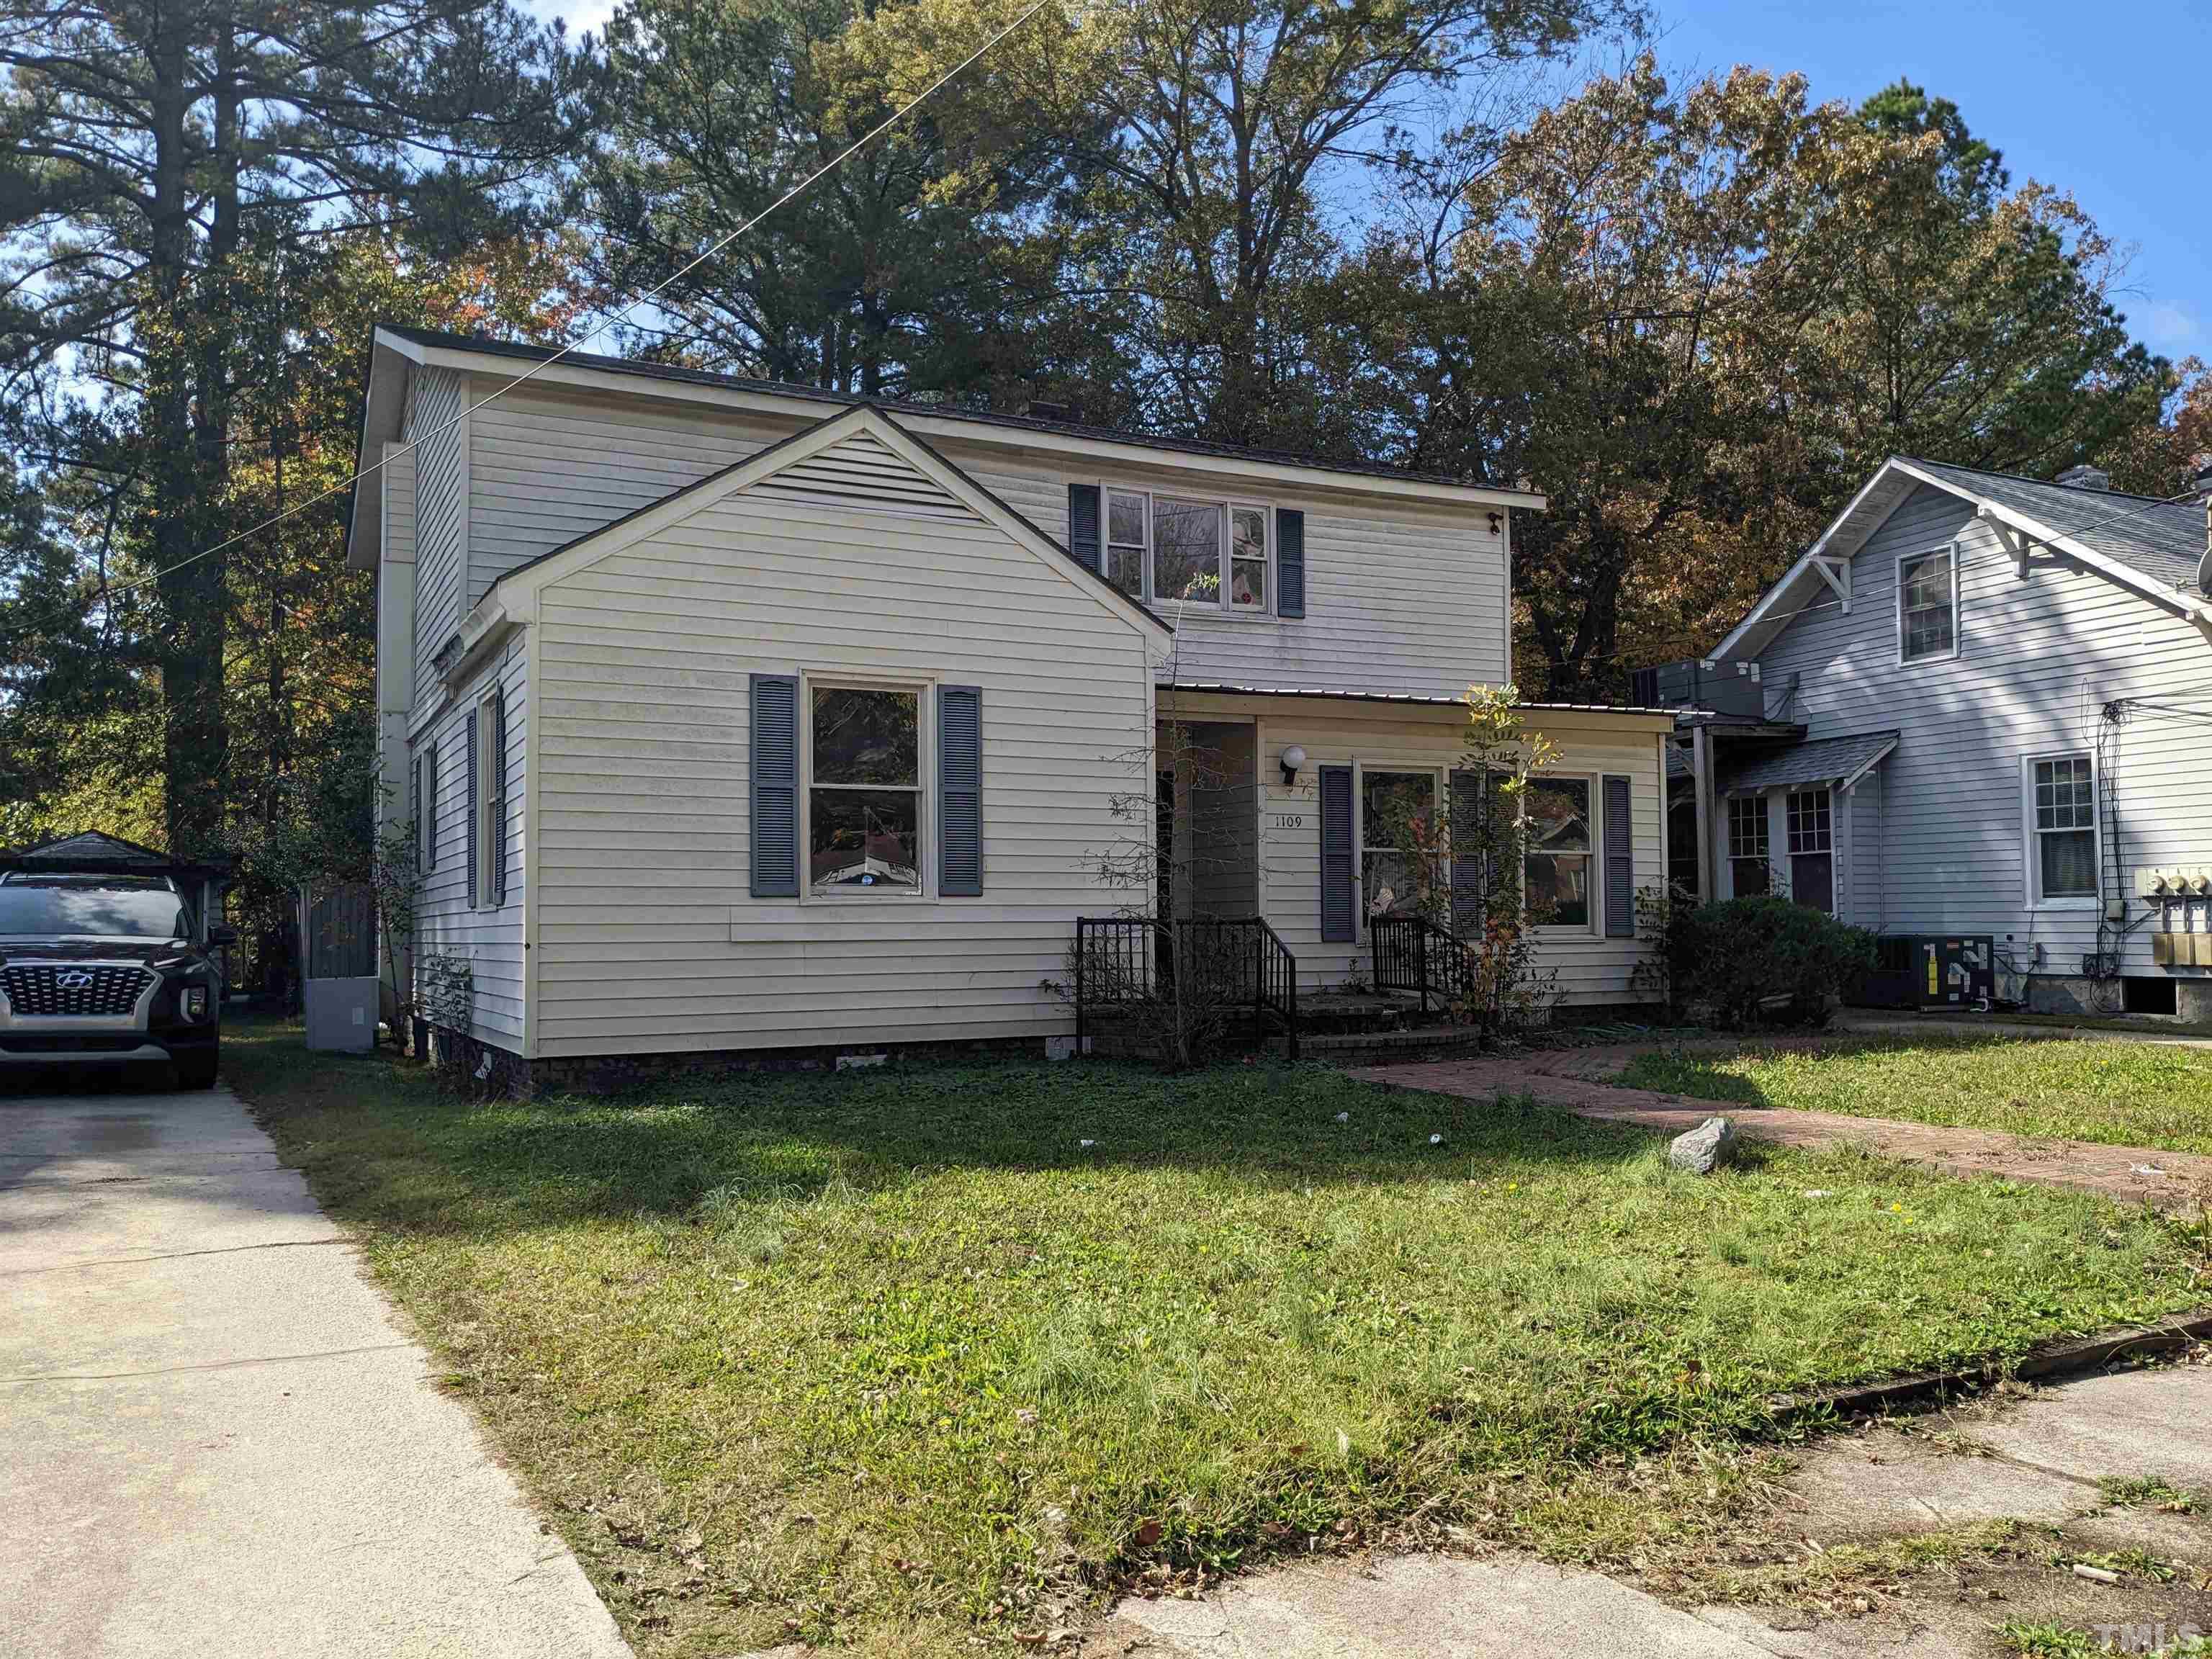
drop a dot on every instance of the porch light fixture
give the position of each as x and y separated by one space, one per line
1293 758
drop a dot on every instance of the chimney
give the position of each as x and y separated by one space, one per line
2086 477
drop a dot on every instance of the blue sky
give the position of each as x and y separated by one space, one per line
2105 100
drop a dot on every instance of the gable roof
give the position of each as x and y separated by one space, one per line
95 849
2164 540
2155 549
860 445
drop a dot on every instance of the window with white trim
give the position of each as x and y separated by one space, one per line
1927 606
1812 849
490 804
1747 845
1190 550
2063 820
1396 810
864 805
1560 850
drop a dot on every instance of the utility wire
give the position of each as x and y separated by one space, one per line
608 321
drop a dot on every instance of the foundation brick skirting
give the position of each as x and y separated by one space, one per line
459 1055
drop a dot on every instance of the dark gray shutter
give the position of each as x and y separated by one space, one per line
499 797
1290 562
775 786
959 790
1084 526
431 807
1470 873
1619 862
414 803
469 806
1340 874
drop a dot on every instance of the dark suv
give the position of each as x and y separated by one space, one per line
105 968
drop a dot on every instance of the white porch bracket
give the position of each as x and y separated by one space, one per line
1837 572
2013 542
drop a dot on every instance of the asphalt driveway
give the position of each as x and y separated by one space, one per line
215 1436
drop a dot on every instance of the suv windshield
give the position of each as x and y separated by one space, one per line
119 909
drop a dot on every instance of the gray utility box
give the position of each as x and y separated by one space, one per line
342 1014
337 928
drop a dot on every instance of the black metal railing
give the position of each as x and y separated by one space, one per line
1226 965
1413 953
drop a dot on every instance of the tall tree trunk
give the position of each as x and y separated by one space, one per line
194 401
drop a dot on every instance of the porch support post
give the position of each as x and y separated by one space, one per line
1701 776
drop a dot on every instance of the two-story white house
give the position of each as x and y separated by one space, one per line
743 717
1979 706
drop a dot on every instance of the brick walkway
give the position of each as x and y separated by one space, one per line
1572 1079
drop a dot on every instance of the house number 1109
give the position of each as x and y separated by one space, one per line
1290 821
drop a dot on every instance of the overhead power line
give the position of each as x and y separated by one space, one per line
607 322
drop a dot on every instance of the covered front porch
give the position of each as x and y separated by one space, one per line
1272 805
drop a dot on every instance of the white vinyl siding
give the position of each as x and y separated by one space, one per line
1936 840
648 939
1404 597
548 465
1400 597
1592 968
490 937
439 431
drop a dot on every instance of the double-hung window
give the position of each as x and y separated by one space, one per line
2062 814
863 809
1747 845
1811 850
1927 606
1186 550
1396 814
1558 862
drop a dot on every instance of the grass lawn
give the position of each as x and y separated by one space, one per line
907 1359
2123 1094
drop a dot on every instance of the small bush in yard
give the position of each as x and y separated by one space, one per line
1741 959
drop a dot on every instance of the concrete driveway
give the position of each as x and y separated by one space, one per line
215 1436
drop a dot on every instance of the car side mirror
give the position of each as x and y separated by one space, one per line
222 933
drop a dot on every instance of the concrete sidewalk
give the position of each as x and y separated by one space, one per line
218 1438
2039 1461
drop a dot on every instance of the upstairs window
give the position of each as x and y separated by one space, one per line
1927 606
864 795
2063 824
1747 845
1185 550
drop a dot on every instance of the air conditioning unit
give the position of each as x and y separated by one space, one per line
1931 970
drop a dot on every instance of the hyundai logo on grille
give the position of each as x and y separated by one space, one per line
98 991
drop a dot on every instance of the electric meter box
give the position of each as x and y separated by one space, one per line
1931 970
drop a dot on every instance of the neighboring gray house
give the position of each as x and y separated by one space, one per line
736 716
1977 704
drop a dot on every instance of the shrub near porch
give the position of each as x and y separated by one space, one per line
897 1359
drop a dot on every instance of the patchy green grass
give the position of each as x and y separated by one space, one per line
2123 1094
2146 1491
896 1359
